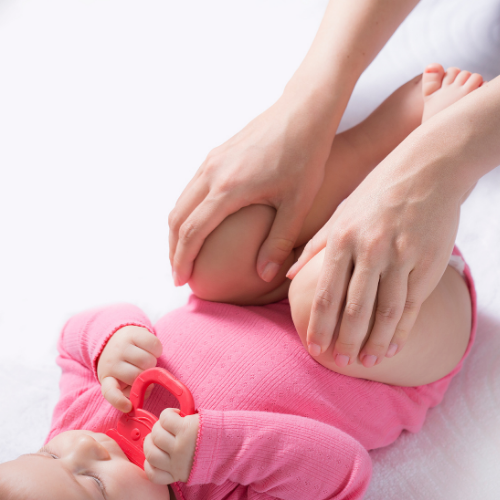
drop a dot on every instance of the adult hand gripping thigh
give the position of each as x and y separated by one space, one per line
278 160
386 248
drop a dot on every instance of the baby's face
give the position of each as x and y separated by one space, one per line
79 465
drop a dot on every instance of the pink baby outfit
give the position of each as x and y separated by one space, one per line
273 422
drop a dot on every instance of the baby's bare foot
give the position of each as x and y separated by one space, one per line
441 89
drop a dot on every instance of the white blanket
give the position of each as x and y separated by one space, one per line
107 110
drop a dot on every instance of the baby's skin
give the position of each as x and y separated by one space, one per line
84 465
225 270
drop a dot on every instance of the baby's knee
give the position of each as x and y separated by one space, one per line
225 269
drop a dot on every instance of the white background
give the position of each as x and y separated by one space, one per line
107 108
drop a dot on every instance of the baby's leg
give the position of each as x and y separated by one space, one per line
225 269
441 333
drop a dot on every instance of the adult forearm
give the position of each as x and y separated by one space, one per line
450 152
351 34
279 158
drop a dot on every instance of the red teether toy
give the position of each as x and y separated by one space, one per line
133 427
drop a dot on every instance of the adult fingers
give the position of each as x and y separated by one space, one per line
194 193
328 299
200 223
414 300
313 247
360 298
391 297
281 239
110 388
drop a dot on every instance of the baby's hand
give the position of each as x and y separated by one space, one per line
129 352
169 448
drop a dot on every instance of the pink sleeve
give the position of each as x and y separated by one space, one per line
85 335
279 456
81 342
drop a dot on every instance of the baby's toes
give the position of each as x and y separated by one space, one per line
462 77
450 75
432 79
474 82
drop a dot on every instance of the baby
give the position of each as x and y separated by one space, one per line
225 270
272 421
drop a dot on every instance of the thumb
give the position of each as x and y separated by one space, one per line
112 392
314 246
281 239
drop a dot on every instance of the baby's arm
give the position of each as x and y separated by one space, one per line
279 456
85 335
269 455
81 342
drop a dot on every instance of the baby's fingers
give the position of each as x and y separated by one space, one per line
148 342
125 372
149 390
139 357
157 476
110 388
128 388
158 462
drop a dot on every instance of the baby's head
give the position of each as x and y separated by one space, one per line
77 465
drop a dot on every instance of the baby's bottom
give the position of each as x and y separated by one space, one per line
225 270
435 345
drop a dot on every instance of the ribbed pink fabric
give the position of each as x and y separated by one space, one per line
274 423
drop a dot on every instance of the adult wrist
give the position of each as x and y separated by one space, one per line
460 144
430 165
323 97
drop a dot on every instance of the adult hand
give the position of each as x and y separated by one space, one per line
387 246
278 160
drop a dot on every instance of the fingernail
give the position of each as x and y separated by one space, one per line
270 271
291 270
314 349
369 360
392 350
176 279
342 360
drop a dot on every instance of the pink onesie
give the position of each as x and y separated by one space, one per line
273 422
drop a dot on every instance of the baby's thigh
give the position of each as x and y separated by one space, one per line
435 345
225 269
